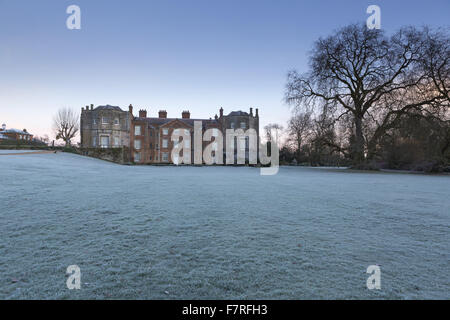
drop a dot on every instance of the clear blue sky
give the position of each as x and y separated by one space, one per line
174 55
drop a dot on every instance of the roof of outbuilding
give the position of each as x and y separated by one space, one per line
16 131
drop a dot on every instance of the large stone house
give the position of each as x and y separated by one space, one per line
149 138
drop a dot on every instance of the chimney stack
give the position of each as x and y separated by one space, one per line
130 108
221 112
92 107
186 115
142 113
162 114
256 115
251 112
3 127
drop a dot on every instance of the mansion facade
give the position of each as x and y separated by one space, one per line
149 138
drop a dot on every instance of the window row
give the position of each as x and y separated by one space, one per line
105 141
105 120
138 144
138 157
243 125
165 131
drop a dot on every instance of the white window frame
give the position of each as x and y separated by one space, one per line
137 144
137 157
165 143
165 131
137 130
165 156
101 141
243 125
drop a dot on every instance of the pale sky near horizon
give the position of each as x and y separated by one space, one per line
174 55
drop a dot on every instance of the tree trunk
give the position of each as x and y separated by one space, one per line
299 145
358 148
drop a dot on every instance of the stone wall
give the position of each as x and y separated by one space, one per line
117 155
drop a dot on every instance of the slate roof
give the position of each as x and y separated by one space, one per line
16 131
108 107
238 113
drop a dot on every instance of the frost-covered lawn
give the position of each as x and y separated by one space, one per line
218 232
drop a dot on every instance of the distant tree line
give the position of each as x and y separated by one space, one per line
372 101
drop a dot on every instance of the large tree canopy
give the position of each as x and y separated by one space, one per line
373 79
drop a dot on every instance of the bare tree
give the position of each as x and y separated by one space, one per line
66 125
300 127
436 60
363 74
46 139
273 130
